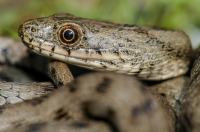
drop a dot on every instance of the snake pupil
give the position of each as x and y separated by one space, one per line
69 35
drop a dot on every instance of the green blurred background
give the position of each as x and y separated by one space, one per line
173 14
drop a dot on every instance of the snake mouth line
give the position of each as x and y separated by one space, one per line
86 63
93 64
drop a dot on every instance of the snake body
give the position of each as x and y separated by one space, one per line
149 54
13 92
190 109
103 99
114 101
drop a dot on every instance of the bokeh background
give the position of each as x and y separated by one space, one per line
172 14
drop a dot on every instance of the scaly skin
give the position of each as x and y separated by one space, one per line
13 92
125 106
189 120
149 54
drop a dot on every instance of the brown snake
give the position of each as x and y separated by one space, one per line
149 54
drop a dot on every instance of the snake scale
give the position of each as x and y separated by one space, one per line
101 101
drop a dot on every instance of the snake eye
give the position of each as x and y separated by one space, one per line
69 35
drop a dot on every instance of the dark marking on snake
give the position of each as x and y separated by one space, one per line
126 51
142 31
84 32
169 49
112 63
49 89
73 86
116 52
37 100
122 60
40 50
128 40
151 40
86 51
187 120
79 124
55 27
44 96
128 25
104 66
51 54
110 112
30 40
98 52
103 26
35 127
147 106
84 38
160 42
163 94
53 71
60 114
31 46
152 65
104 85
178 102
120 29
69 52
53 48
60 83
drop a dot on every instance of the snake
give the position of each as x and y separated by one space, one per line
189 116
147 53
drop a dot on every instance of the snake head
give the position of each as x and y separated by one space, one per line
146 52
84 42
